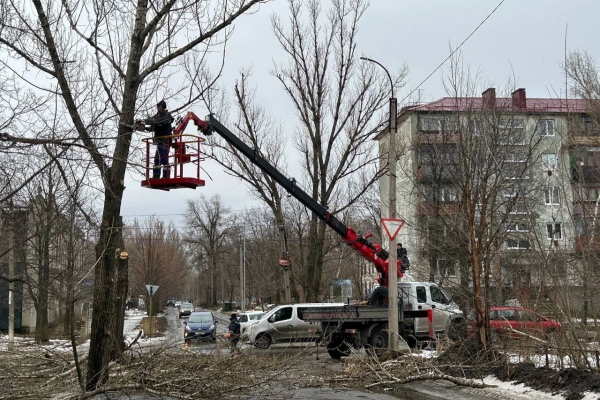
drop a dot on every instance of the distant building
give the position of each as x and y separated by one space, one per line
51 254
518 176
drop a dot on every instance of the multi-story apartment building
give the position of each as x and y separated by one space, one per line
52 265
507 188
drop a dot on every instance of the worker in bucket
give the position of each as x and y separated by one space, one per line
402 255
160 124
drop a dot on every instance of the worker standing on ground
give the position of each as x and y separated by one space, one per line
234 331
160 124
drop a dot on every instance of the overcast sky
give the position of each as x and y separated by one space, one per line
524 39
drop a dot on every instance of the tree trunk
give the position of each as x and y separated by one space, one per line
105 340
41 318
314 262
111 278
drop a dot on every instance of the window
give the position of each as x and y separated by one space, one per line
446 267
551 195
441 193
517 244
547 127
591 194
549 162
447 194
430 124
554 230
421 294
511 130
587 122
524 315
510 192
437 295
475 127
515 158
517 227
514 171
282 314
518 208
510 123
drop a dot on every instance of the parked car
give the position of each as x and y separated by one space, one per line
506 319
247 319
284 324
200 325
185 309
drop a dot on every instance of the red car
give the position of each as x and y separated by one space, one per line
502 319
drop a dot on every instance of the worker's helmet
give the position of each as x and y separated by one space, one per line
162 104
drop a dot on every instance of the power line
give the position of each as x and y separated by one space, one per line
455 50
184 214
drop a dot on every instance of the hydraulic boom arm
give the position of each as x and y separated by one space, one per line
373 252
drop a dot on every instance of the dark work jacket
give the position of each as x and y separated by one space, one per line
234 326
160 124
402 254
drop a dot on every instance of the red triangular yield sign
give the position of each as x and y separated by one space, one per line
392 226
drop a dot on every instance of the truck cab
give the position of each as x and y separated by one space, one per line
424 296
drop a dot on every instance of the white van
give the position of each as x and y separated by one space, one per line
283 324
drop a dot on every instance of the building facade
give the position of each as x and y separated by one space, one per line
505 189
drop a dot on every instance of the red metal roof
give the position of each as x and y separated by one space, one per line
534 105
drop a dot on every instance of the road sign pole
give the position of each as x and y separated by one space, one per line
151 290
151 310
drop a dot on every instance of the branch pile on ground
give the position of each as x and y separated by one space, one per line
396 370
184 374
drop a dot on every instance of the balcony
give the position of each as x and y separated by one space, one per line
589 139
585 174
445 173
430 209
587 243
437 137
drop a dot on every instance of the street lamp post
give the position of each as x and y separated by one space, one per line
243 272
392 272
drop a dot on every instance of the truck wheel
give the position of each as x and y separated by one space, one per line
379 297
338 350
379 340
263 341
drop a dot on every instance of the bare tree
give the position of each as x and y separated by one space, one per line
263 276
157 257
105 60
209 225
337 101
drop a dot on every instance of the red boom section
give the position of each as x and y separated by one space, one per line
190 116
369 251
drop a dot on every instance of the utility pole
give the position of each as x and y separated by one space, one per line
11 278
393 324
284 260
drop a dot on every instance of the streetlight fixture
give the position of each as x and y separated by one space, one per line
392 270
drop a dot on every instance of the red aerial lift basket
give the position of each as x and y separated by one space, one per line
183 161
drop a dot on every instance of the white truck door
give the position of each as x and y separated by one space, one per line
421 324
440 304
